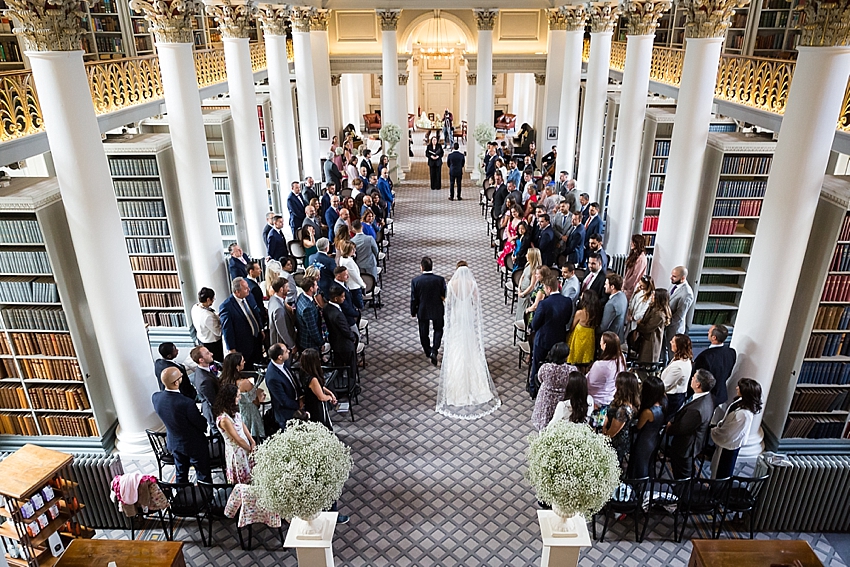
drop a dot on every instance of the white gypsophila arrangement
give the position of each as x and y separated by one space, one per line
391 134
483 133
300 471
572 468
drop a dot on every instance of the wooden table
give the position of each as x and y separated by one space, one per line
752 553
126 553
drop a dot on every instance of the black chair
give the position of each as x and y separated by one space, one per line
185 500
157 439
742 496
338 379
216 445
369 295
705 497
216 495
627 499
513 284
667 497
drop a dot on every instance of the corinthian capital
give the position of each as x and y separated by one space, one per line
709 18
274 17
603 16
556 19
300 17
48 25
319 20
170 20
389 19
234 20
825 23
485 18
575 17
472 78
642 15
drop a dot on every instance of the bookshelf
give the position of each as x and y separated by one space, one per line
53 388
655 149
807 410
204 33
775 32
11 53
734 178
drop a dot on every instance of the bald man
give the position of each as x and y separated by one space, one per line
185 426
681 299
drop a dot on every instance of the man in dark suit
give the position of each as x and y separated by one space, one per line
719 359
594 244
595 278
309 189
331 171
206 381
325 263
332 213
296 202
367 163
584 206
490 161
325 203
237 266
269 226
515 194
282 385
185 428
549 325
593 224
434 153
276 241
689 427
241 323
456 160
547 241
427 294
353 303
255 275
342 339
168 352
574 248
500 195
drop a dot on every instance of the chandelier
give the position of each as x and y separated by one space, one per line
442 49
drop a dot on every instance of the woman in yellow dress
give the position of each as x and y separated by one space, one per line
583 336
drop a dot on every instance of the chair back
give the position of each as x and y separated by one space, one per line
630 495
489 192
516 277
158 440
185 500
216 495
509 263
345 193
668 494
706 494
296 249
744 492
216 446
368 281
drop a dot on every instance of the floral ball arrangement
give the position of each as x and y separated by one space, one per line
391 134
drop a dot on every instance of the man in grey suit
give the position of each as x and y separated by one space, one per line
681 299
614 313
366 254
281 316
206 383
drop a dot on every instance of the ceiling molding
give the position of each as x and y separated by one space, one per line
504 63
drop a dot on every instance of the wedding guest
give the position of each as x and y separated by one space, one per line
651 327
653 408
316 394
635 265
620 413
603 373
207 324
688 429
250 396
730 433
678 373
577 402
638 305
554 376
238 443
583 336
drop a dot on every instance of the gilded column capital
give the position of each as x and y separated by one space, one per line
48 25
234 20
540 79
335 80
825 24
642 15
495 78
472 79
381 80
557 22
389 19
603 16
485 18
575 17
319 20
709 18
274 17
300 18
402 79
170 20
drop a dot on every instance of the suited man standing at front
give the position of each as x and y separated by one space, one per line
689 426
593 224
719 359
614 313
241 322
185 428
296 203
285 394
550 322
276 241
427 296
206 381
681 299
434 153
456 160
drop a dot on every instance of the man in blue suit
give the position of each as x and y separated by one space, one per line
241 322
574 238
332 213
237 266
385 187
282 385
325 263
185 428
592 224
325 203
455 160
296 202
547 241
276 241
549 324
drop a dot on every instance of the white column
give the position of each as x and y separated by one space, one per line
389 66
94 223
322 76
570 88
687 151
404 144
790 200
472 149
485 19
540 109
305 83
336 98
554 80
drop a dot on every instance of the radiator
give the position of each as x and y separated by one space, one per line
807 493
617 263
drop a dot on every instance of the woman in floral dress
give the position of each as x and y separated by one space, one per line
238 443
252 397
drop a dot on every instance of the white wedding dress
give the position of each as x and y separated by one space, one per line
466 390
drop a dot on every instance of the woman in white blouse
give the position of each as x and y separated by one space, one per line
577 403
347 261
639 303
730 433
678 373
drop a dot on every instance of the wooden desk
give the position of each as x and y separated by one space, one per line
99 552
752 553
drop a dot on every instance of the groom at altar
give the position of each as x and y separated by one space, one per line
427 294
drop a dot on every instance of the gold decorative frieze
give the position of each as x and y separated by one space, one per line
485 18
274 17
575 17
825 23
234 20
540 79
709 18
585 50
300 17
759 83
666 66
258 56
20 113
844 117
642 15
319 20
557 22
170 20
209 67
48 25
603 16
389 19
472 79
120 83
618 55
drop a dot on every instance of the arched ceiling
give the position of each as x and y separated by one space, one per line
427 31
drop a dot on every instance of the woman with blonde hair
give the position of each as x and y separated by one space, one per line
526 283
273 269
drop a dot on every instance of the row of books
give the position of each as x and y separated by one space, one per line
712 317
773 19
725 208
659 165
222 200
836 288
160 299
831 344
723 226
133 166
650 223
157 281
840 259
105 24
59 398
38 318
13 231
714 262
832 317
820 399
17 424
718 279
716 297
225 216
137 188
773 41
728 245
153 263
649 239
51 369
20 262
653 200
141 208
149 246
29 290
165 319
724 127
221 184
8 369
13 397
661 148
10 52
741 189
813 427
145 227
845 229
656 184
746 165
68 425
837 373
143 43
48 344
228 230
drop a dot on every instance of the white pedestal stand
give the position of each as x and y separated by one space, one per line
559 551
314 552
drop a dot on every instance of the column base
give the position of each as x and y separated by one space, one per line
475 175
133 444
313 552
561 551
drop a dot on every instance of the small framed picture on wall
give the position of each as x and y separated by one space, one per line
324 133
552 133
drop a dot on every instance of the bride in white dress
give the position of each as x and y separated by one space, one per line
466 390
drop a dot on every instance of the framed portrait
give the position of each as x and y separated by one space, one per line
552 133
324 133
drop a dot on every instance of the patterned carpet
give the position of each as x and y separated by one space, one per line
426 490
